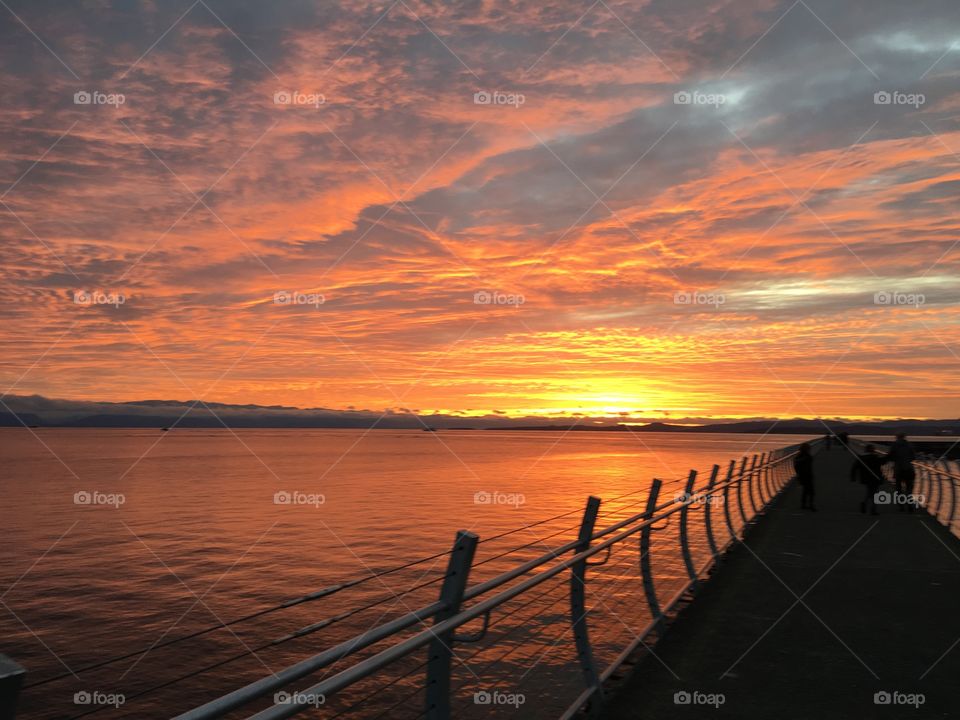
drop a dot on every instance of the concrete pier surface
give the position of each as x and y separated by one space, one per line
817 615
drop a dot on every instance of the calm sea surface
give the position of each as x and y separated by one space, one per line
122 540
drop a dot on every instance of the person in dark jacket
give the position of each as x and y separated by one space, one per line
868 469
803 465
902 456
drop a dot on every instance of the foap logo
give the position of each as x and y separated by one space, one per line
95 497
496 97
486 297
895 697
692 297
895 97
295 97
685 697
98 297
900 299
496 697
898 498
695 97
514 500
299 698
699 498
96 697
95 97
294 297
282 497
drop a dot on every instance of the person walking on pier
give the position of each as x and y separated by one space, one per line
868 469
803 465
902 456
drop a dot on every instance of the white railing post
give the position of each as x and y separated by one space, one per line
684 535
645 571
743 514
578 607
707 524
440 652
726 501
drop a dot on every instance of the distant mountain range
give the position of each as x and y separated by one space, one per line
39 411
795 426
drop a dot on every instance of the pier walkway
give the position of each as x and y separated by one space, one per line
812 616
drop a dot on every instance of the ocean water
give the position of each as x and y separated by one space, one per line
121 541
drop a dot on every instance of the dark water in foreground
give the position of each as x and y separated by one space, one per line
202 535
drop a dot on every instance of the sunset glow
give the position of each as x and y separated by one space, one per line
486 208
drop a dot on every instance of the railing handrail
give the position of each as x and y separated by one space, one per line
634 524
942 470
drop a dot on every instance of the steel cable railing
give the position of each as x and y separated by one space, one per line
932 474
297 634
755 485
306 598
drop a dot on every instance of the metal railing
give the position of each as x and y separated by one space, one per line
935 487
933 474
752 484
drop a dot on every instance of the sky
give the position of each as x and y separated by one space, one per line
665 208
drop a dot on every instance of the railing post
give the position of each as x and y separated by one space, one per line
726 500
645 573
578 607
762 490
440 652
684 535
771 477
940 478
11 678
923 484
743 514
953 496
707 524
753 505
918 480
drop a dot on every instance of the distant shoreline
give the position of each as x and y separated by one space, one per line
950 433
36 411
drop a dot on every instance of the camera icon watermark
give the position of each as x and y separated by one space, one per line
299 698
95 497
692 297
514 500
295 97
699 498
96 697
95 97
899 299
896 97
97 297
695 97
294 297
898 498
283 497
496 697
695 697
496 97
895 697
488 297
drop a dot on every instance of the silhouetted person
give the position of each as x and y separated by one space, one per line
844 438
803 465
902 456
828 438
868 469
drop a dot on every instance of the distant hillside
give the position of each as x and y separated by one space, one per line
781 427
36 410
